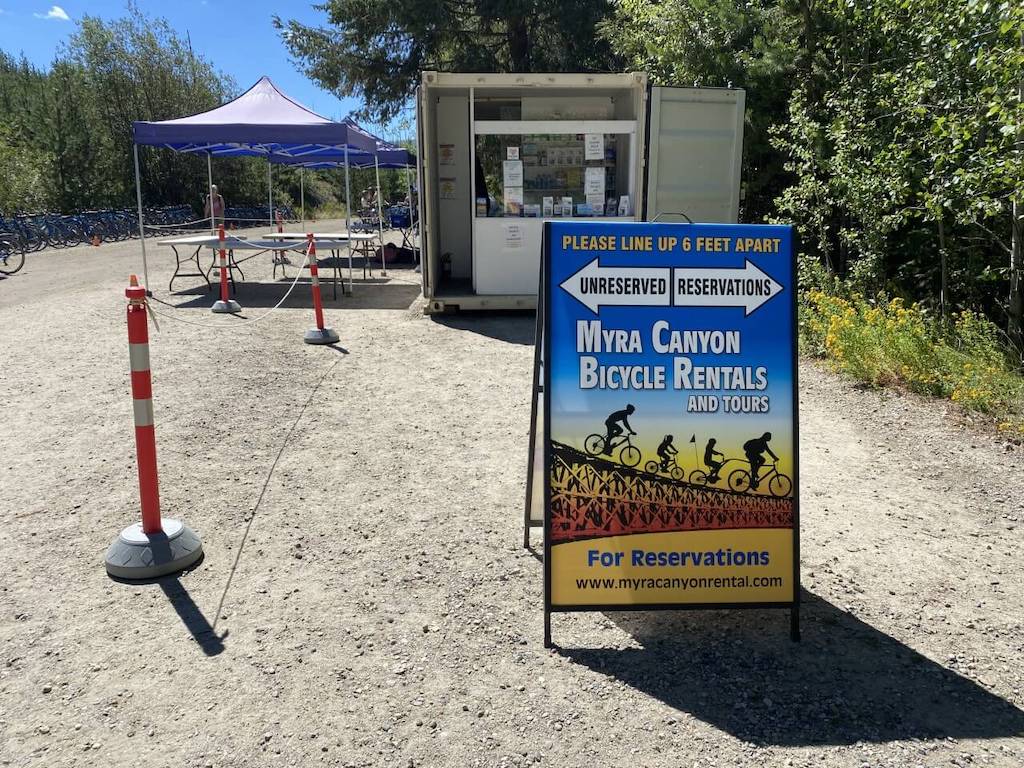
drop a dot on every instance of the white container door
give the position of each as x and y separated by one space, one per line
695 148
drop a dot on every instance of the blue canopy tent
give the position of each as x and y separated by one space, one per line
387 156
263 121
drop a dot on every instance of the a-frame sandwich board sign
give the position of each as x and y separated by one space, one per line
669 413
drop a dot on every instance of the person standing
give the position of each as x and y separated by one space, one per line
214 206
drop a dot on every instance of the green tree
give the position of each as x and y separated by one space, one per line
889 132
376 48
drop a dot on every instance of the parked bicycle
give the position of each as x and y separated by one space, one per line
12 255
629 454
779 485
35 231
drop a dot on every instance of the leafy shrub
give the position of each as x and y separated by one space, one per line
885 342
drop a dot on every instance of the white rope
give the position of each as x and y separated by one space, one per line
182 224
231 326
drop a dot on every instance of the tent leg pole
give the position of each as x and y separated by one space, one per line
380 218
142 229
209 191
302 194
408 196
270 192
348 220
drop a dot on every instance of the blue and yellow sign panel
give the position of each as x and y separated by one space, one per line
670 380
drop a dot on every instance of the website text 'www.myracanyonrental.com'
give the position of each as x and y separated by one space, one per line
682 582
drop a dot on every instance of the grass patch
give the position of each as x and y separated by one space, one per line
885 342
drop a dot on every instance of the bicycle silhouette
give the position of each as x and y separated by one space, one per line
779 485
673 468
629 454
703 477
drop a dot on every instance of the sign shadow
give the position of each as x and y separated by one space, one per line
846 682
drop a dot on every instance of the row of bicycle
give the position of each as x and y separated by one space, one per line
36 231
739 478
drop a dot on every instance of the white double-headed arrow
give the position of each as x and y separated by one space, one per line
595 286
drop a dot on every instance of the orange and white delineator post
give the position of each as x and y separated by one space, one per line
142 405
318 335
153 547
225 304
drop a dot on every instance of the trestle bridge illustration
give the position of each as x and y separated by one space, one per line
593 496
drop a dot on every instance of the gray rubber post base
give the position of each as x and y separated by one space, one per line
137 555
316 336
229 307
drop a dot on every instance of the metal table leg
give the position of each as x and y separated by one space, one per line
178 264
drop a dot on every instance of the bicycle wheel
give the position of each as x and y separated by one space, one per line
699 477
652 467
630 455
678 473
780 486
594 444
11 260
739 480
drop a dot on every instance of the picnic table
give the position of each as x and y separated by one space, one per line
359 242
192 246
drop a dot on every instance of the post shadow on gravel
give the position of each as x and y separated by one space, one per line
189 613
193 619
845 682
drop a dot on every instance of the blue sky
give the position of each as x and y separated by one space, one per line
237 36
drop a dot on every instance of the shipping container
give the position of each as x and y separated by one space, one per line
500 153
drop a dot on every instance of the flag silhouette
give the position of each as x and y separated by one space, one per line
694 438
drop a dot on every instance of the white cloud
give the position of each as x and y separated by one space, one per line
56 12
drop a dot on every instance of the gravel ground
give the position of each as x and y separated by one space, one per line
368 603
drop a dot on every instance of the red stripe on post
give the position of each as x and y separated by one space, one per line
142 385
149 485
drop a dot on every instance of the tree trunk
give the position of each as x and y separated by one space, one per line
944 267
518 44
1015 310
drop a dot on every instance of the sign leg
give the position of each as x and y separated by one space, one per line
794 623
547 629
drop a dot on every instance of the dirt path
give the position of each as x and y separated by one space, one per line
382 611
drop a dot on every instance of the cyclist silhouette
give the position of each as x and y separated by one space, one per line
666 451
614 430
755 450
709 459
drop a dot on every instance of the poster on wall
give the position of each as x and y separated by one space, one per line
671 414
512 173
446 154
513 201
447 187
594 146
594 182
513 235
